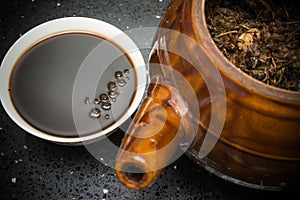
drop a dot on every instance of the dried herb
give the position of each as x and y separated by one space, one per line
260 37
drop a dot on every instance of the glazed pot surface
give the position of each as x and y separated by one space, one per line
259 144
246 131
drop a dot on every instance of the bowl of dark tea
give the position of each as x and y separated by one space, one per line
72 80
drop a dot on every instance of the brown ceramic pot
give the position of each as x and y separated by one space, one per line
259 144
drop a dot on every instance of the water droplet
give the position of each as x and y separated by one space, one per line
106 105
113 94
107 117
103 97
112 85
121 82
127 78
95 113
58 4
87 100
96 101
126 71
157 16
118 74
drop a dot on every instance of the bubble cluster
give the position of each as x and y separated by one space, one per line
105 100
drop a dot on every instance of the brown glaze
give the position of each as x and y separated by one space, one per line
259 145
154 128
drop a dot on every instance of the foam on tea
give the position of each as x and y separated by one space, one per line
42 84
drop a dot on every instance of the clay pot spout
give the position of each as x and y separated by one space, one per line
152 138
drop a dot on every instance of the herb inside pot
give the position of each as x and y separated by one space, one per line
260 37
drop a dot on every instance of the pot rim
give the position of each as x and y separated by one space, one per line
227 68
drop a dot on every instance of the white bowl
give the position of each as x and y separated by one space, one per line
70 24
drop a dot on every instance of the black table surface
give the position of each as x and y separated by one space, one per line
31 168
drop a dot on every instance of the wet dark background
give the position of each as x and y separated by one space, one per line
31 168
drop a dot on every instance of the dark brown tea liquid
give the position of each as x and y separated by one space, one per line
44 79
